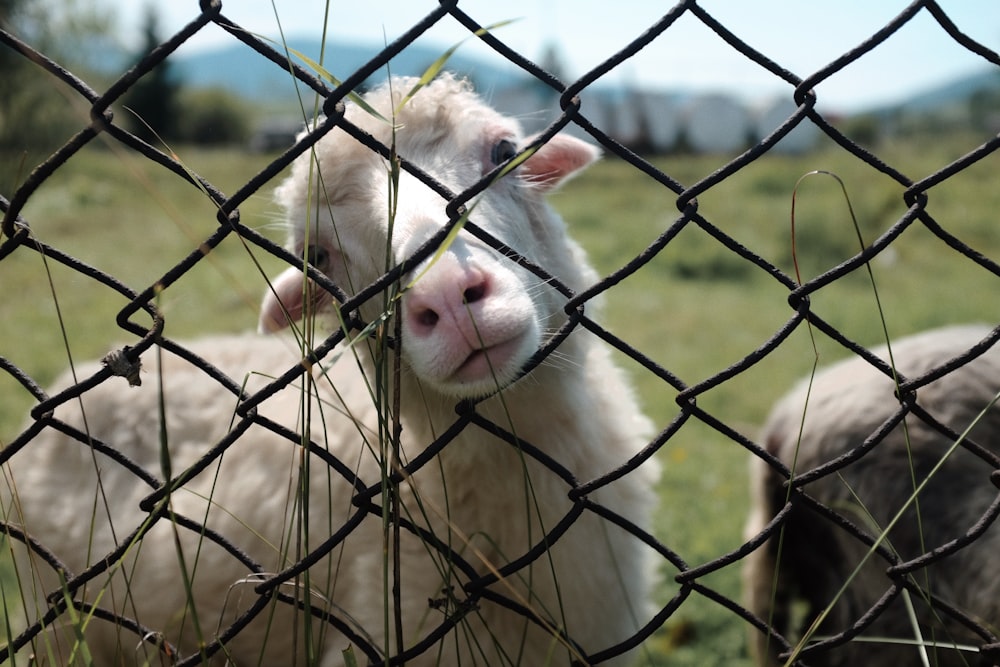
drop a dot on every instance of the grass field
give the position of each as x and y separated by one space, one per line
696 308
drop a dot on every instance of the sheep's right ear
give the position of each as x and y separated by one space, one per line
557 160
285 302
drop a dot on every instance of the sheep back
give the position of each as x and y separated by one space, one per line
483 500
826 418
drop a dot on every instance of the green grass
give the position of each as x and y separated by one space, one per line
695 308
133 220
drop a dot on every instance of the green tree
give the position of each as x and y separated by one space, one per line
37 111
984 108
866 129
153 101
213 116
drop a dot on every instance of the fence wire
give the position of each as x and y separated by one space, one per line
696 580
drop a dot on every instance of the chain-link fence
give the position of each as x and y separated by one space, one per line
807 538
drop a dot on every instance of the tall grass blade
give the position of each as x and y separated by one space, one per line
913 500
437 66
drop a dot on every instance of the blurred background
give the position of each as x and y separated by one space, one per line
688 90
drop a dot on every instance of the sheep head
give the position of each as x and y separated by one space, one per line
471 317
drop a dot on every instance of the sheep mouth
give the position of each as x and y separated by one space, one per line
493 361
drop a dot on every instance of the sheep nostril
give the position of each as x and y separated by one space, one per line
474 294
427 318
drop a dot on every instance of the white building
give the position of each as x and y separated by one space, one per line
715 123
772 115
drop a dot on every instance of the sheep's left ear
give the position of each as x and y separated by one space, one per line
558 159
285 302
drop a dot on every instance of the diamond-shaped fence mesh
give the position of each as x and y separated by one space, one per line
203 516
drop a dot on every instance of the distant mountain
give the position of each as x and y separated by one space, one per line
646 119
241 70
953 93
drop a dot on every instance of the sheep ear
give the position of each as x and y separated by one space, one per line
557 160
284 303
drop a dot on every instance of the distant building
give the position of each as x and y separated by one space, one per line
275 134
651 122
624 120
716 123
662 113
772 115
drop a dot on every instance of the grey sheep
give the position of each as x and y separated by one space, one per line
846 404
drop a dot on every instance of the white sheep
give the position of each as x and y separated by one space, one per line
471 319
846 404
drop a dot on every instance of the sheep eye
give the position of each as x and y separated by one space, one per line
503 150
318 257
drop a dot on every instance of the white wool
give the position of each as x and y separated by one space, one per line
482 496
847 403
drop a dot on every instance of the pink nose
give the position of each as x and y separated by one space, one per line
442 297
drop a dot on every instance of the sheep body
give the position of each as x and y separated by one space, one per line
842 406
482 496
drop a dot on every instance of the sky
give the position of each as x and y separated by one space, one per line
800 35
